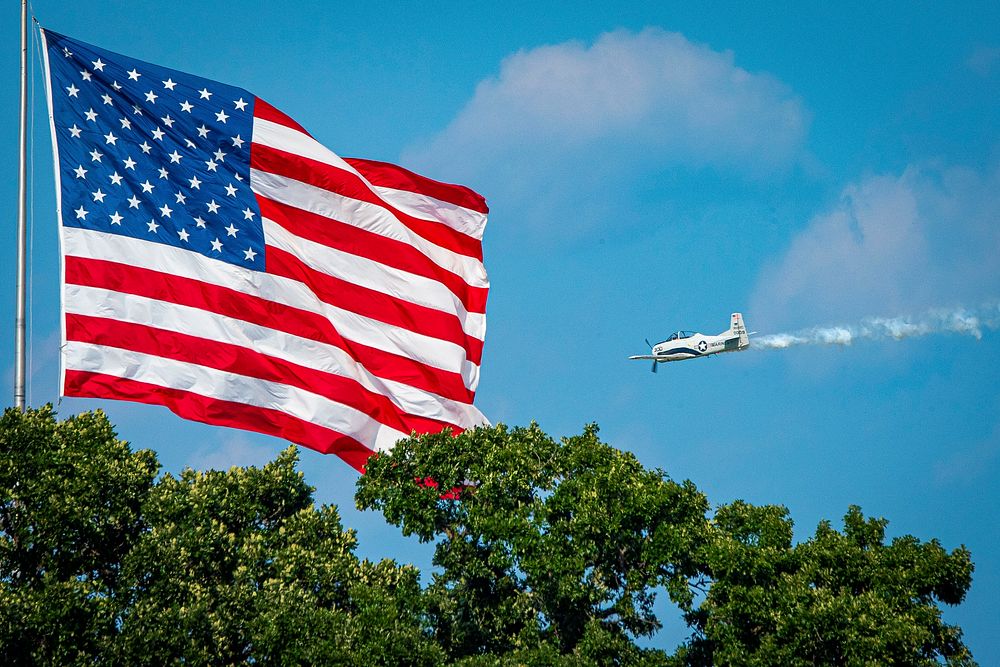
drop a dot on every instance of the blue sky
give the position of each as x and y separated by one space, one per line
650 168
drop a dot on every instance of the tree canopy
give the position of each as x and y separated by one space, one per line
547 552
100 561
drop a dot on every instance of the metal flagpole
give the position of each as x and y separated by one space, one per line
22 233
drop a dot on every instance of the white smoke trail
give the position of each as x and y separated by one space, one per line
959 320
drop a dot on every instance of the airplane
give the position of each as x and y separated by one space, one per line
690 344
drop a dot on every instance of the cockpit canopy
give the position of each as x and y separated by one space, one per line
679 335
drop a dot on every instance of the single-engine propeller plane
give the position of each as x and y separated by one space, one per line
690 344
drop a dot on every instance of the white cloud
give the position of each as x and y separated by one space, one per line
560 120
928 237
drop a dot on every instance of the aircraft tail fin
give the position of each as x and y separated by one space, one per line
737 328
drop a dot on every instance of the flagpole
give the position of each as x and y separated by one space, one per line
22 226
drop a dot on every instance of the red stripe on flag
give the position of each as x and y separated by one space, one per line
393 176
220 413
342 182
374 304
266 111
240 360
256 310
363 243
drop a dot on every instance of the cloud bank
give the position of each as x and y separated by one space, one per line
892 243
562 119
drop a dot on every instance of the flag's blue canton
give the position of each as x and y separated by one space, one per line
153 153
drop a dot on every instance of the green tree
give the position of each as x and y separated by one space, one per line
548 553
546 548
101 562
71 498
240 567
839 598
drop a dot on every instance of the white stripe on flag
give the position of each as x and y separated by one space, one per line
367 216
233 387
190 321
427 350
376 276
459 218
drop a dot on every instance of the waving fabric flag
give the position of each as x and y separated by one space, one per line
221 262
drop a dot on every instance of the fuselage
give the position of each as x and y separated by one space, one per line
687 345
691 344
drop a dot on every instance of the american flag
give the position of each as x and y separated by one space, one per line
219 261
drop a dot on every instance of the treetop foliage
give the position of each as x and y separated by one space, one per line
546 552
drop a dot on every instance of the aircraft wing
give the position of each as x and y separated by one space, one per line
644 356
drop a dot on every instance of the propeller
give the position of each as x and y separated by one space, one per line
653 369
